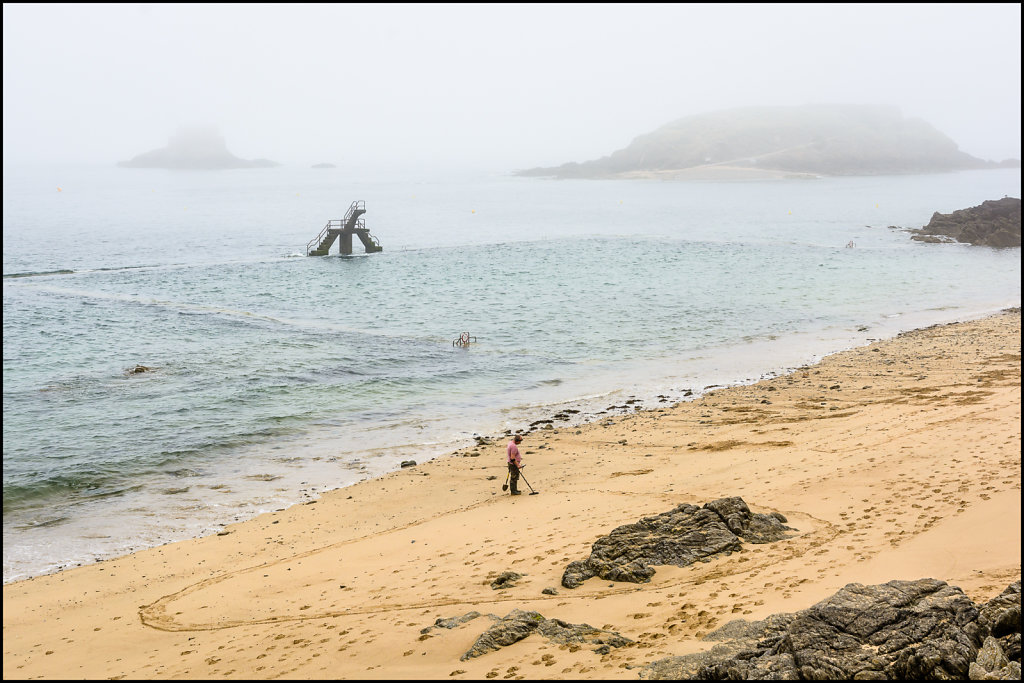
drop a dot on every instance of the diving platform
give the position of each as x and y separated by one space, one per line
343 230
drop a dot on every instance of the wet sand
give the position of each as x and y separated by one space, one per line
897 460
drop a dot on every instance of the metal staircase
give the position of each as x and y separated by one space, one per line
351 224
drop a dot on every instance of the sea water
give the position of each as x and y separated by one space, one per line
273 376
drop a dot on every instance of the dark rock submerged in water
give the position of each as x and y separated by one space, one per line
519 624
993 223
903 630
679 537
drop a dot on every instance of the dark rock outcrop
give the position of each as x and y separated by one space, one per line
679 537
992 664
993 223
194 148
734 638
519 624
1000 617
924 629
506 580
452 622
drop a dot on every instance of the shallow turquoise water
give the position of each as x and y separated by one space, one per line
276 376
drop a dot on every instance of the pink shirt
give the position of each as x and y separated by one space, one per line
513 453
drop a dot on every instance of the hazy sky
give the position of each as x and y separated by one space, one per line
487 86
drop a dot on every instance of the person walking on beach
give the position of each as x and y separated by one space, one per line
514 462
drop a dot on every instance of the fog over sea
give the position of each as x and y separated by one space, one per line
275 376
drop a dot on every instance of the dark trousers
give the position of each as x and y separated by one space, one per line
513 473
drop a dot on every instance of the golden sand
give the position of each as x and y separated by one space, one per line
898 460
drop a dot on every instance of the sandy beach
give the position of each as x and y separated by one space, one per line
897 460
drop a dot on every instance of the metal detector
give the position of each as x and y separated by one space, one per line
532 492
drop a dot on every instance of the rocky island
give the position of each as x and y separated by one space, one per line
779 142
993 223
194 148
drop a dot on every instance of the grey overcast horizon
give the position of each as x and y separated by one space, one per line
484 86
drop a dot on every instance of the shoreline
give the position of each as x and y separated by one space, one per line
882 457
786 353
718 369
718 173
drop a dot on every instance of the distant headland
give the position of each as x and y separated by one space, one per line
781 142
194 147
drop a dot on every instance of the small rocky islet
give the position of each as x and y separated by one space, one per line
194 148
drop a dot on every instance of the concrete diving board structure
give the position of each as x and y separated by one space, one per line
351 224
